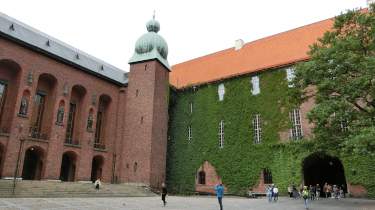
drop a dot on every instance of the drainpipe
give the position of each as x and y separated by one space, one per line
114 169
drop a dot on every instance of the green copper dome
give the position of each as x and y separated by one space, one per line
151 46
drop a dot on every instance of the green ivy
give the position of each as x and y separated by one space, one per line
240 162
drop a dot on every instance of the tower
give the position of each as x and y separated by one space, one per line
145 143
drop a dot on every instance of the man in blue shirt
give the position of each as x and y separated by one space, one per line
219 194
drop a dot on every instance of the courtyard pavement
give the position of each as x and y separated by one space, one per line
181 202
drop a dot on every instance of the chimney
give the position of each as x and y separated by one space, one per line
239 44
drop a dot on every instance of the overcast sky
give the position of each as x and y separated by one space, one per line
109 29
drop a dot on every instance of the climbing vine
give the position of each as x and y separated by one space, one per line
240 161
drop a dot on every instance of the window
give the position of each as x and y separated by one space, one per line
189 134
3 87
135 167
255 81
202 177
70 125
295 116
98 128
267 176
221 134
257 129
36 118
221 91
191 107
343 123
289 76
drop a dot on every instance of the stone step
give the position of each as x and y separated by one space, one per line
27 188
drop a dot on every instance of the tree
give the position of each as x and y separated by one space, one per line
340 77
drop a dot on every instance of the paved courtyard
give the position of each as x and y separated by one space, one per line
178 202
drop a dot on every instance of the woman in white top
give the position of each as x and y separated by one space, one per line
276 194
97 184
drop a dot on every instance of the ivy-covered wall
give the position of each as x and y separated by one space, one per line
240 162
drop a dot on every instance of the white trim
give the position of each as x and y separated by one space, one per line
221 134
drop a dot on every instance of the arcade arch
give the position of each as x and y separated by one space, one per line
33 164
96 169
68 166
320 168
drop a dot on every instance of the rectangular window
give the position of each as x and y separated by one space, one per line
295 116
36 118
255 82
221 134
98 128
221 92
290 75
267 176
189 134
3 87
191 107
257 129
70 125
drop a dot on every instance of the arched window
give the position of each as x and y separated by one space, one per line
255 81
221 92
202 177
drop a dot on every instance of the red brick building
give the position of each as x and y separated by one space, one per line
65 115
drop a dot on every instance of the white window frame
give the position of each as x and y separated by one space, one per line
344 127
221 134
295 116
221 91
189 136
290 75
191 107
257 129
255 82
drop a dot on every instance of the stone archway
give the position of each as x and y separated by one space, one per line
320 168
68 166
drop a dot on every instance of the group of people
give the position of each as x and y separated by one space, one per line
334 192
272 192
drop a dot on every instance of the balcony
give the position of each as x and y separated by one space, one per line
99 146
71 141
295 138
37 135
4 130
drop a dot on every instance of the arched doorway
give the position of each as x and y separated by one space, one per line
96 169
68 167
33 164
29 165
321 168
64 172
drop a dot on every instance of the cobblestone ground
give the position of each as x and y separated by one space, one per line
179 202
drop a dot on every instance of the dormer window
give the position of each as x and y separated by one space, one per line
221 92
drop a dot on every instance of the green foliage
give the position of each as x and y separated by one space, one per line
341 71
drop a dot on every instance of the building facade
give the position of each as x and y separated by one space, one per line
65 115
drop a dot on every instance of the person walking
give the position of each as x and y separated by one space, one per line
275 194
97 184
294 190
164 193
305 196
343 191
312 192
269 193
290 192
325 189
336 192
329 189
220 189
317 190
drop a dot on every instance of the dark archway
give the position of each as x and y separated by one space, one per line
64 172
321 168
29 165
96 168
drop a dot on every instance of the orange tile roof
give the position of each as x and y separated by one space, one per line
277 50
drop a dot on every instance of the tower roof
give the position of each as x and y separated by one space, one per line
151 45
